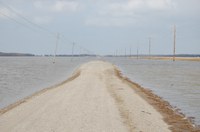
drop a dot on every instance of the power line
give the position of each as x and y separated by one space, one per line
76 44
25 19
28 21
7 16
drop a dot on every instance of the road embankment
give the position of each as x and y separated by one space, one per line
95 99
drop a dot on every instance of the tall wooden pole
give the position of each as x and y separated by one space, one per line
57 40
73 44
174 52
137 52
149 47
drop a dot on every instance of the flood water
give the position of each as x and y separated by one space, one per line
23 76
177 82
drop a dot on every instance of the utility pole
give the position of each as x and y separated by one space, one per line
174 52
80 52
125 52
130 50
137 52
57 40
73 44
149 47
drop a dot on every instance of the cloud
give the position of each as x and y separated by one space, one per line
109 21
128 12
4 13
159 4
58 6
65 6
42 20
47 9
132 7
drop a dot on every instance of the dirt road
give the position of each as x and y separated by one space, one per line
94 100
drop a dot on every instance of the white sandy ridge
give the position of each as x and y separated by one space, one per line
97 100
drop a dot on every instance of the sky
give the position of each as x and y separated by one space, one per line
99 26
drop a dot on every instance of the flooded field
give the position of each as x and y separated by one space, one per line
177 82
22 76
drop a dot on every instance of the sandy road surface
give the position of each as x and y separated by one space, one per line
95 101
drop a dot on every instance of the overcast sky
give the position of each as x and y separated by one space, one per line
100 26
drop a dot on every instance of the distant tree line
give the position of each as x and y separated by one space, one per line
15 54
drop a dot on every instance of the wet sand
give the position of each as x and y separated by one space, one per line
96 98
